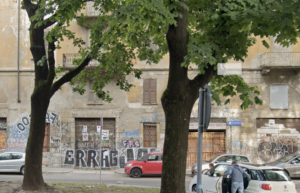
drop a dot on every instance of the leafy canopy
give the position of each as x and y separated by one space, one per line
219 30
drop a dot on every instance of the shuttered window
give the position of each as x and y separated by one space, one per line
150 135
149 91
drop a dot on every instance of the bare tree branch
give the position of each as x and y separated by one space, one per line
201 79
49 22
68 76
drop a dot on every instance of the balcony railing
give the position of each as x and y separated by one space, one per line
69 58
280 60
89 10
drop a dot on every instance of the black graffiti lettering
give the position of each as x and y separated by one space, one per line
80 155
92 155
21 127
53 117
268 151
104 160
113 158
69 157
25 121
130 155
122 161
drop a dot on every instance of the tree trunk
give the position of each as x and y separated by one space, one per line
177 100
33 178
40 99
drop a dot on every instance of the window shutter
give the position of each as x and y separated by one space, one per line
146 97
153 91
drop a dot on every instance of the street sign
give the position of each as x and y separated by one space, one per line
234 123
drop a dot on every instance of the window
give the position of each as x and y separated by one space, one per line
153 158
279 97
257 175
276 175
3 124
16 156
241 158
5 156
150 135
149 92
217 170
225 159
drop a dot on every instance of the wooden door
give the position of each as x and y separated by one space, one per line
213 143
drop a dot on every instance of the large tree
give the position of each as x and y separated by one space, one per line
195 32
55 16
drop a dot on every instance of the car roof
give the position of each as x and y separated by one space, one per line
231 154
13 152
155 153
255 166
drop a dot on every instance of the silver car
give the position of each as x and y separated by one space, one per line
291 163
221 158
12 162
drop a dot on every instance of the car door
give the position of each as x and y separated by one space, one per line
293 167
160 164
210 180
151 166
15 162
3 159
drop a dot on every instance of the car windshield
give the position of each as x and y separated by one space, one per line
143 157
286 158
276 175
212 158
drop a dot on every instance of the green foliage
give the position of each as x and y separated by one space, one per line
42 61
230 86
129 29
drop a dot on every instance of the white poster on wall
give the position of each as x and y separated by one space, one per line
271 122
85 136
105 134
98 128
84 129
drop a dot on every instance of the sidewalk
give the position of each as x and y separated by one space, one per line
62 170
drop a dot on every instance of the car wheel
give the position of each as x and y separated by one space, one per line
22 170
136 173
194 188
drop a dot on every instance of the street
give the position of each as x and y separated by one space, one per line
147 181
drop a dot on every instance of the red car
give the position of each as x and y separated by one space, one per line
150 163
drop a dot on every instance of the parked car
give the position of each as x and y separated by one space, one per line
291 163
150 163
263 179
221 158
12 162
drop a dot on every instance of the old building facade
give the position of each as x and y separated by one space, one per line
134 122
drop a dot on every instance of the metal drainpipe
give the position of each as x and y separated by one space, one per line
19 2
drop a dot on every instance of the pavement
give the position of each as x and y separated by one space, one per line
64 170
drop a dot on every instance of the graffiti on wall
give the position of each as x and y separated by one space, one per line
2 141
273 147
154 118
109 158
132 134
130 143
